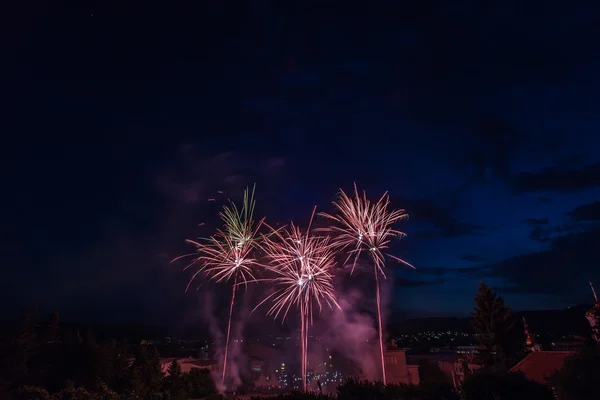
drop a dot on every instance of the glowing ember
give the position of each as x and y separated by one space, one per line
229 254
361 225
303 267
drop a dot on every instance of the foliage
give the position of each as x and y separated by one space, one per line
200 383
431 373
295 396
30 393
498 341
42 361
214 396
75 393
176 383
354 389
579 376
486 384
17 352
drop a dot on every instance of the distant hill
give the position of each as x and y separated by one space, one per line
570 321
436 324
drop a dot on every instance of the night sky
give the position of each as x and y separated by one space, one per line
121 121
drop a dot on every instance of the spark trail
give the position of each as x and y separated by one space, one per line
303 267
360 225
229 255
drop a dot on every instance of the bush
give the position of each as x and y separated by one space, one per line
493 385
295 396
199 383
354 389
578 378
31 393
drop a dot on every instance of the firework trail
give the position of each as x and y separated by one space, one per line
363 226
303 267
229 254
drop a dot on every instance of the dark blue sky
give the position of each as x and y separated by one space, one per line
122 120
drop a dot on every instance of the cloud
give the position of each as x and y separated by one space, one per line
125 270
563 269
431 270
586 212
559 178
195 178
449 273
494 141
444 222
429 276
541 234
581 219
404 282
472 258
537 221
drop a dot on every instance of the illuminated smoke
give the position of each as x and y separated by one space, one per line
303 267
361 226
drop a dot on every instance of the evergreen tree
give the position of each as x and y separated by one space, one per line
72 358
118 366
153 375
174 370
145 376
93 365
52 331
175 382
494 324
47 364
135 383
16 354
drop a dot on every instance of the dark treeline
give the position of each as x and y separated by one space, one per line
49 361
130 332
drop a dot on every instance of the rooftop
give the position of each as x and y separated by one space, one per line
538 366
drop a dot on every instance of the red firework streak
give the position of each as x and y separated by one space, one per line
303 267
361 225
229 255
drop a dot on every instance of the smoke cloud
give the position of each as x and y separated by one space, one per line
349 335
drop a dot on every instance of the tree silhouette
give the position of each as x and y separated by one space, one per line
200 383
30 393
17 353
579 376
431 373
153 375
488 385
146 377
175 382
494 324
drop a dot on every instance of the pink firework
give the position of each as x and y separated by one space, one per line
363 226
229 254
303 266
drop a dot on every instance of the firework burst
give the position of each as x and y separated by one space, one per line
229 255
303 267
361 226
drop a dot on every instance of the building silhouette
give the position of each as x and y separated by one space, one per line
396 368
